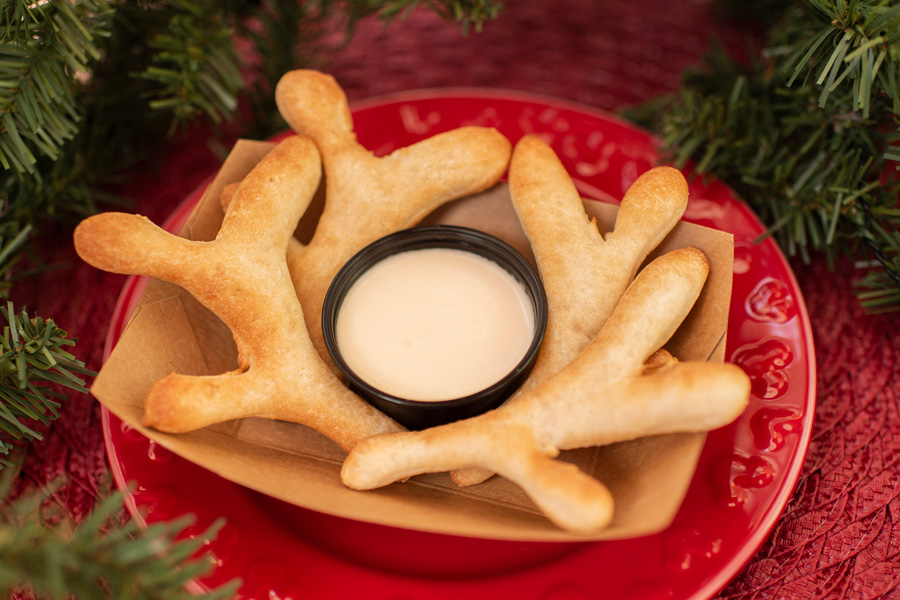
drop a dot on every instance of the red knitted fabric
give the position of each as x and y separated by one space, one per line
839 536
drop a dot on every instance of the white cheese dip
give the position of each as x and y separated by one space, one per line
434 324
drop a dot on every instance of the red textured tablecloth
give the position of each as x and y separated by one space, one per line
839 536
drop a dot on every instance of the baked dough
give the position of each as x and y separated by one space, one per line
241 275
600 397
584 274
243 278
368 197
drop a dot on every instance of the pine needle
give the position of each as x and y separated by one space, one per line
101 557
34 366
805 134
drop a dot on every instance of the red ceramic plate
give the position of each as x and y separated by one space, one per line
745 476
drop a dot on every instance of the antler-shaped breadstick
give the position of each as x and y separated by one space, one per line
368 197
584 274
243 278
600 397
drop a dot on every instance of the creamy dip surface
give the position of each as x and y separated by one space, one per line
434 324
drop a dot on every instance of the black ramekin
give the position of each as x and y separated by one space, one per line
418 414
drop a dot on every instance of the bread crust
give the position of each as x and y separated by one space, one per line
242 277
601 376
584 274
602 396
368 197
256 276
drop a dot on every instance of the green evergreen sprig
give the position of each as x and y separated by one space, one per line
12 239
34 364
282 35
101 557
854 52
44 48
804 133
468 13
90 87
195 66
60 59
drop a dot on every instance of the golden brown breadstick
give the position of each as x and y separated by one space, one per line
584 274
600 397
368 197
242 276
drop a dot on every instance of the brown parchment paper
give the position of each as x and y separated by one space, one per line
170 331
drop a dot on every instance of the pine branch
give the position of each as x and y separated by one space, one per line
44 47
58 57
102 558
12 239
468 13
90 87
808 153
879 288
195 67
285 33
33 364
852 48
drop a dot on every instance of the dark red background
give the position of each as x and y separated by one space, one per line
833 541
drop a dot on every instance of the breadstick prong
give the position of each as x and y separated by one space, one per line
384 459
179 403
687 397
567 496
684 398
132 244
270 200
651 207
314 104
225 200
649 313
